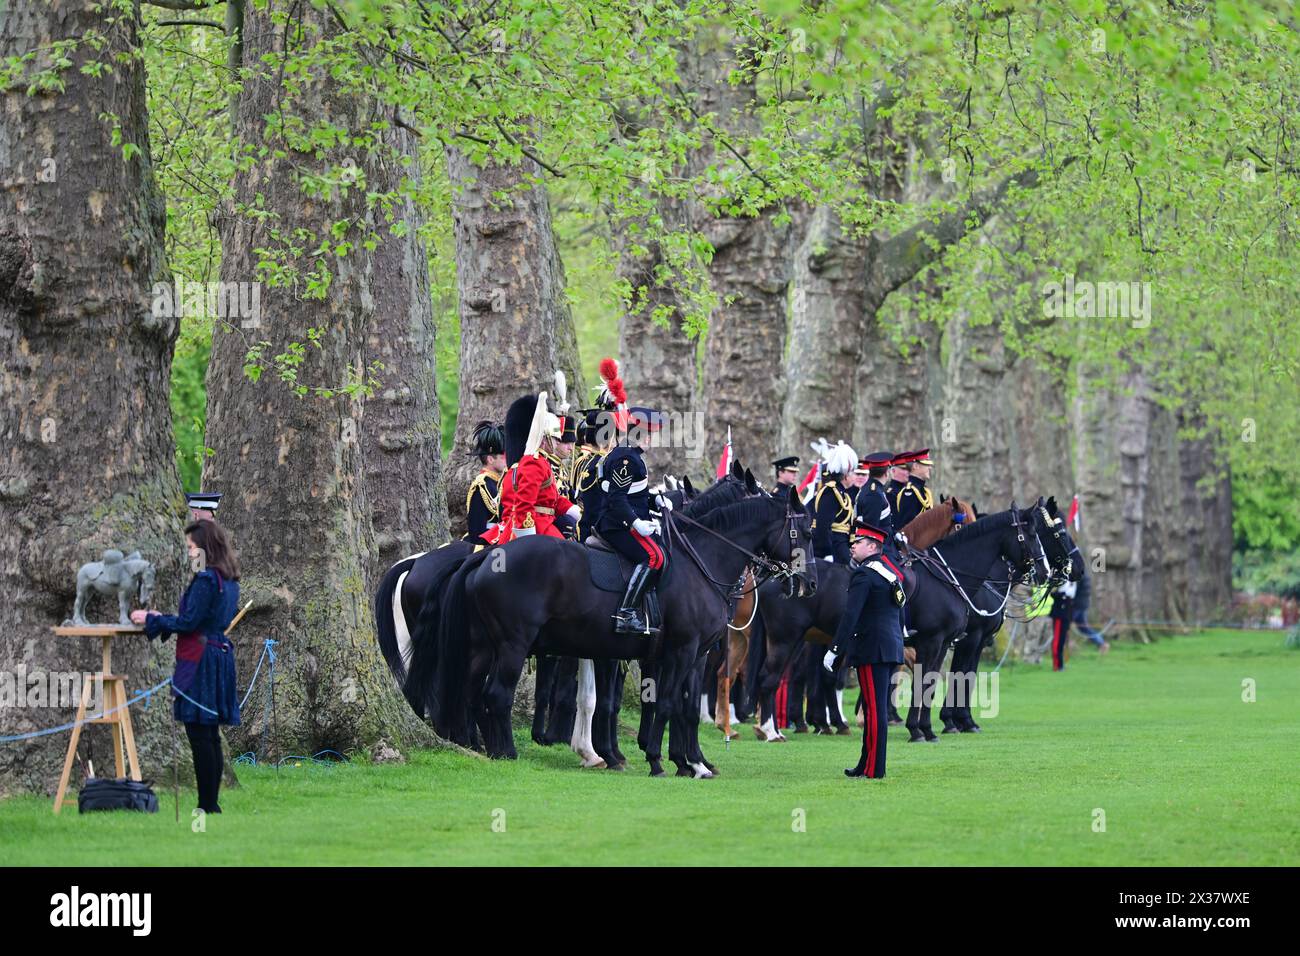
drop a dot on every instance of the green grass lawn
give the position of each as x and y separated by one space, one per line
1157 737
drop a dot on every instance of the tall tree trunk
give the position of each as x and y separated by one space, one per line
289 465
826 330
87 457
1130 497
402 435
841 284
658 361
1207 509
744 352
516 327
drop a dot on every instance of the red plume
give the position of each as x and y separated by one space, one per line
617 390
608 369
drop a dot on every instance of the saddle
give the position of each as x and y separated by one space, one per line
610 571
113 570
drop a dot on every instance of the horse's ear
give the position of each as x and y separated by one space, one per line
1041 502
1013 507
737 471
1051 506
796 503
686 483
750 484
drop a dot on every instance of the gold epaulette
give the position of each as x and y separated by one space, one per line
480 484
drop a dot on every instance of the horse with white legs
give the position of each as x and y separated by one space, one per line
494 616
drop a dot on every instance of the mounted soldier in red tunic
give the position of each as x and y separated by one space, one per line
530 498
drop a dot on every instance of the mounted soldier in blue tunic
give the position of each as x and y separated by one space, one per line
482 500
832 506
872 505
914 497
787 474
625 522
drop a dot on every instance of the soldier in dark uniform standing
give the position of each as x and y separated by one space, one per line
915 497
787 474
482 500
833 508
870 639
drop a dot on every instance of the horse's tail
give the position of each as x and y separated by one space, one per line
455 629
435 572
390 622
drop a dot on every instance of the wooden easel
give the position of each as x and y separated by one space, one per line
114 699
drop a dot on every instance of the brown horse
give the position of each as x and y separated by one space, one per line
932 526
737 651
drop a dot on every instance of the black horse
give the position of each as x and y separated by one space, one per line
555 706
407 609
536 596
998 547
1064 563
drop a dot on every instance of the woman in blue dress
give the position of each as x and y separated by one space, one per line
203 684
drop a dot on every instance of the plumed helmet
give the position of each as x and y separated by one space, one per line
489 439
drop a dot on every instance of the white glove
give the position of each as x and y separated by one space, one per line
828 558
658 528
900 537
664 502
643 527
828 661
575 513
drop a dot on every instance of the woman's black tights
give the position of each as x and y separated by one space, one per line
205 743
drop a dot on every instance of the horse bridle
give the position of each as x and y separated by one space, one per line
1057 526
767 569
1016 574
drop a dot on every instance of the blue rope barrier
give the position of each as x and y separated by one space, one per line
89 717
147 697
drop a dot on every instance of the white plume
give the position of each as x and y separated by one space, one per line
561 392
840 460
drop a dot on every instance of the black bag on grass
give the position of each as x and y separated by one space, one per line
105 794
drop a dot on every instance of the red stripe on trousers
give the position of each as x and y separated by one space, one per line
865 680
782 696
656 556
1058 644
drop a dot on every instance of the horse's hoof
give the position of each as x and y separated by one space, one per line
951 729
685 772
842 731
932 739
972 729
896 722
759 733
705 775
657 773
541 741
616 767
916 737
596 764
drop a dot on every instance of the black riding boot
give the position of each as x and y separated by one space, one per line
630 619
